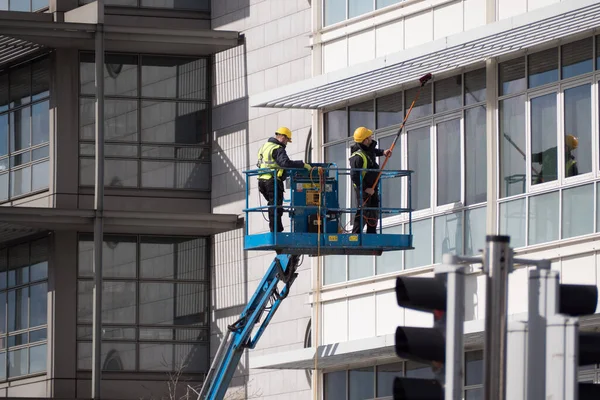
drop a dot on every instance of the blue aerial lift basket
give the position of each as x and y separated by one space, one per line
313 194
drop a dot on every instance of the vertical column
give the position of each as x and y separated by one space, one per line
491 11
98 207
491 67
497 265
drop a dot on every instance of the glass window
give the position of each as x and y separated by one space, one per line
359 7
337 154
544 150
334 385
391 189
334 269
159 282
543 67
335 11
120 74
512 146
419 161
577 206
196 5
389 110
390 261
512 76
385 378
362 115
475 86
475 230
385 3
422 107
362 383
336 125
578 123
418 370
512 221
448 162
421 255
448 231
543 218
475 155
448 94
360 267
577 58
174 77
473 368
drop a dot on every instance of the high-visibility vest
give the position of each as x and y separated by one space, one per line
265 160
570 164
365 162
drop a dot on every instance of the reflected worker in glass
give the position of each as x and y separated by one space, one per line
364 153
272 155
549 159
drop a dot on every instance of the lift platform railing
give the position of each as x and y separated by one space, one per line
329 206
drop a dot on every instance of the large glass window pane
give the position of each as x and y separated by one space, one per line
18 363
40 77
187 358
362 383
38 306
475 230
334 269
543 67
448 94
163 258
120 74
173 304
40 176
170 122
38 4
578 123
422 107
3 187
389 110
3 134
512 76
175 175
385 378
577 58
359 7
4 83
418 370
512 221
512 146
448 162
38 356
385 3
335 11
448 231
334 385
40 123
118 302
391 188
544 150
543 218
20 181
577 207
474 394
20 129
197 5
475 85
173 77
38 269
118 173
362 114
475 155
360 267
20 85
119 256
121 119
419 161
473 368
337 154
18 305
115 356
336 125
421 255
390 261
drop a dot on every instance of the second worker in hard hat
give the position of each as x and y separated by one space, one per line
549 159
364 156
272 155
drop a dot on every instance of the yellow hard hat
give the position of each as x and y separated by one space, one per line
285 132
361 134
571 141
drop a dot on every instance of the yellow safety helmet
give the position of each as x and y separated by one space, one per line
361 134
571 141
285 132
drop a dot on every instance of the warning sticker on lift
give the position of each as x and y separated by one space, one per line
314 186
333 238
353 238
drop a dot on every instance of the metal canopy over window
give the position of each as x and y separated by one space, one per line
12 49
387 73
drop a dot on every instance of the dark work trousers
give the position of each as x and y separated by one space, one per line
267 189
371 215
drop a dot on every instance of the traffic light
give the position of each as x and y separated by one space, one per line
424 345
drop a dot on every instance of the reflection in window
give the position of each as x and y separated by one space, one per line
385 378
512 76
544 150
360 267
421 255
334 385
362 115
543 218
334 269
173 301
577 58
422 107
362 383
475 155
389 110
475 230
391 189
390 261
577 206
578 123
543 67
512 221
359 7
475 86
419 161
448 230
336 125
448 162
512 146
448 94
335 11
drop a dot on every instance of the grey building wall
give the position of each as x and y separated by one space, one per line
275 53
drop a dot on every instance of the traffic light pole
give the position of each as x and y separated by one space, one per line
497 266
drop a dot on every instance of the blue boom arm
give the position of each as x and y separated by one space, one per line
266 299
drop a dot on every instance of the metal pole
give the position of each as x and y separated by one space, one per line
455 317
99 207
498 262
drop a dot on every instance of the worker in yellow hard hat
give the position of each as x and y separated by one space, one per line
364 153
272 155
549 161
